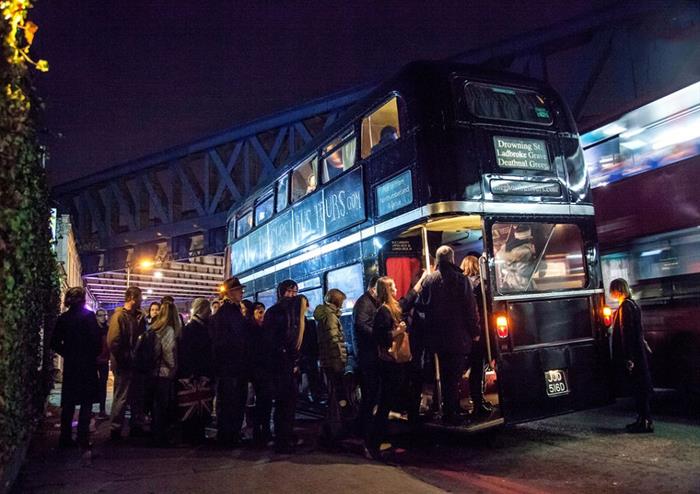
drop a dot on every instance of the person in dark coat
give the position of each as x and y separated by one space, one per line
102 364
196 362
261 375
284 324
76 338
229 331
363 316
630 354
389 322
452 322
482 407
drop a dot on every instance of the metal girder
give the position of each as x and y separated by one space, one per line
212 175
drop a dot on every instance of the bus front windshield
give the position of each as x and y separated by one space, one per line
538 257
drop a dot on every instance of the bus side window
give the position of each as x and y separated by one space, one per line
339 156
381 127
304 179
282 193
245 223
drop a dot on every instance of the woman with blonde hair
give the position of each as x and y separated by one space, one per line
162 379
389 323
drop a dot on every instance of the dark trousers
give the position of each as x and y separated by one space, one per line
102 375
84 416
369 390
162 393
193 428
451 366
390 378
231 394
338 403
476 372
262 413
285 394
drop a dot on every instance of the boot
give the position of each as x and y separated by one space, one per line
634 425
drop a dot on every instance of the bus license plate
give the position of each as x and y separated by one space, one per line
556 383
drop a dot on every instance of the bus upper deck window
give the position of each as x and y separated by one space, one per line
304 179
507 104
338 156
282 193
244 223
381 127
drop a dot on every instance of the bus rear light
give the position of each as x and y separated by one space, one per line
502 326
607 315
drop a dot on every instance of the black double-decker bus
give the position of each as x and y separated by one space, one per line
486 162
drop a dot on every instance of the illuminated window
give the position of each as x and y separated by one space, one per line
349 281
339 156
282 192
315 298
304 179
538 257
263 210
244 223
268 298
381 128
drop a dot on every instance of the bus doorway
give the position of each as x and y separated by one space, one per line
404 258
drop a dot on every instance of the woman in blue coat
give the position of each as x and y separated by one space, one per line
630 353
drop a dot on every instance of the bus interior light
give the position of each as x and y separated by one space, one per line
502 326
607 316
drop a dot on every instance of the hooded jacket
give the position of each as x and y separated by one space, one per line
332 351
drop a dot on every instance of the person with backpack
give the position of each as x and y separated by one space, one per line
125 326
161 345
229 335
630 354
284 325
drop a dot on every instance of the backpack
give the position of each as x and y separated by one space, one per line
146 354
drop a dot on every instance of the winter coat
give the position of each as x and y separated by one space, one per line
229 333
76 338
124 329
384 322
332 352
629 344
103 357
363 316
284 328
167 353
451 317
194 351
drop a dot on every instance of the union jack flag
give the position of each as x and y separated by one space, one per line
194 397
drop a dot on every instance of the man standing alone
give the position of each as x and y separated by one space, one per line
452 322
125 326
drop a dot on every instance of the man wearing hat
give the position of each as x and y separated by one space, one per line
228 332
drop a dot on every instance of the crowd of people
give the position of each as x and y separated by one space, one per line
247 360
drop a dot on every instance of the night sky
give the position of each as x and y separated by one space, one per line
131 78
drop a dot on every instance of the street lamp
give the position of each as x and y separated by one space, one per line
143 264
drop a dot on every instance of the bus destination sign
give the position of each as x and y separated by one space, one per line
394 194
521 153
329 210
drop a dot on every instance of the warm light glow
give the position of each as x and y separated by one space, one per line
146 264
607 315
222 288
158 274
502 326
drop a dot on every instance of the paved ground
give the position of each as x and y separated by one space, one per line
583 452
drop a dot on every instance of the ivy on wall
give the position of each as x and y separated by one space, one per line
28 279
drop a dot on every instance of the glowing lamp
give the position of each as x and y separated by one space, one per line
607 315
502 326
158 274
146 264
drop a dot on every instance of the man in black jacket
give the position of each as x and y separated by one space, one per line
452 322
228 336
363 316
